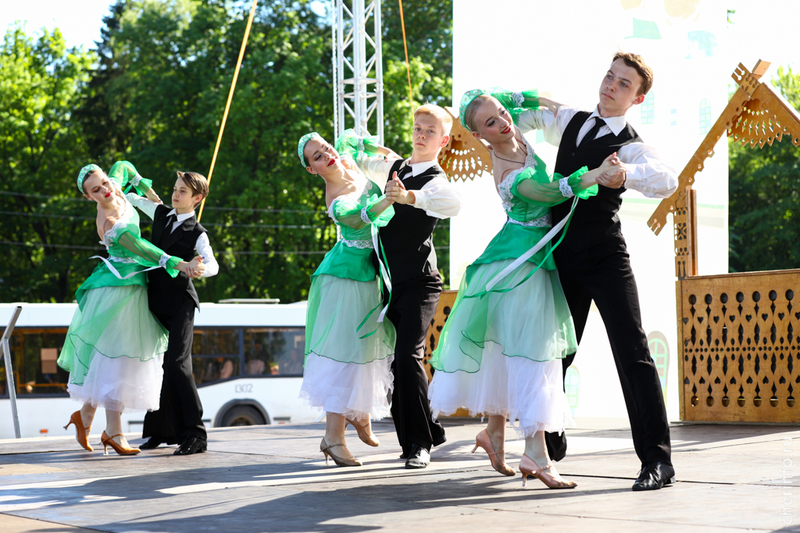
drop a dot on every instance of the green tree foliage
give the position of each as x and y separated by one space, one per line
156 94
41 150
764 213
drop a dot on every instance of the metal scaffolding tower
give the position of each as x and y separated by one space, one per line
358 90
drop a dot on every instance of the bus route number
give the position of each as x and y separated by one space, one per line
244 387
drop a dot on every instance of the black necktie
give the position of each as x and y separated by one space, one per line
598 123
404 171
171 222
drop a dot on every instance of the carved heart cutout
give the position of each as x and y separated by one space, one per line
685 320
797 315
700 319
716 319
733 318
749 317
780 315
764 316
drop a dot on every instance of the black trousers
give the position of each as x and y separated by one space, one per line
411 311
180 413
603 274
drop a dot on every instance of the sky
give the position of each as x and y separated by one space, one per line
773 20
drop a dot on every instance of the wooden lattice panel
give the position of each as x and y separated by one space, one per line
446 301
464 157
740 347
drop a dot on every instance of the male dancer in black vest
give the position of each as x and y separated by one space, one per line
593 261
422 196
173 301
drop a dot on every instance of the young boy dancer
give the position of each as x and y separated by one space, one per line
422 196
173 301
593 261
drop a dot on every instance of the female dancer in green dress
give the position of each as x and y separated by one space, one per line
499 352
114 346
349 346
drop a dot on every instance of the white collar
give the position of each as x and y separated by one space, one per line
615 124
419 168
180 218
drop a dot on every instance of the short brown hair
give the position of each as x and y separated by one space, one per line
636 62
196 182
438 113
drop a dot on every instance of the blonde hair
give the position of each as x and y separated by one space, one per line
433 110
472 108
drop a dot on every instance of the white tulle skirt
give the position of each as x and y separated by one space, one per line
529 393
121 384
114 350
357 391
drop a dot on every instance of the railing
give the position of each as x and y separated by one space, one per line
5 347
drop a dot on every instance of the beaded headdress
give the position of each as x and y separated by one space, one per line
82 174
301 145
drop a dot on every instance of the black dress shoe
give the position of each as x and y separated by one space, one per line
191 446
418 457
151 444
653 476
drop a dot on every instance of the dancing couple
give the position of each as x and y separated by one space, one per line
115 346
516 323
362 348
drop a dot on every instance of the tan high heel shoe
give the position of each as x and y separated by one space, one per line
325 448
541 474
482 440
365 433
82 437
107 441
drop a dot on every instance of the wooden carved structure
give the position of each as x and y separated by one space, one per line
738 334
464 157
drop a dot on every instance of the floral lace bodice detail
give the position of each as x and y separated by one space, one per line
516 207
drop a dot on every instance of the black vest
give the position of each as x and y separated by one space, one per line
408 238
165 294
594 219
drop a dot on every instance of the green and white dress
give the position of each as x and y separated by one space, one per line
114 347
501 348
348 351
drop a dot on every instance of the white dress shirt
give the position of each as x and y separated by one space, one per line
202 245
438 198
646 171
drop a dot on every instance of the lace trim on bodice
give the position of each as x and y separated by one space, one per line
111 234
361 244
545 221
504 189
117 259
364 192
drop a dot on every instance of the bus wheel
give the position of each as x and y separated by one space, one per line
242 415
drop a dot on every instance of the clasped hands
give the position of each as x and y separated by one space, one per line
396 192
613 172
195 267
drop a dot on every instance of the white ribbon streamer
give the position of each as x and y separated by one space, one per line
538 246
384 271
116 272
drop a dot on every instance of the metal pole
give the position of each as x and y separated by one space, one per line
12 390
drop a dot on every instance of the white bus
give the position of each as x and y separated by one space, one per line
247 360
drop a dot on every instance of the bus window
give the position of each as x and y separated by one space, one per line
274 351
216 354
34 352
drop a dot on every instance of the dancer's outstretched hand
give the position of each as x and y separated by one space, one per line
196 267
396 191
613 172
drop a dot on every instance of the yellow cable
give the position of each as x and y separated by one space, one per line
408 67
228 104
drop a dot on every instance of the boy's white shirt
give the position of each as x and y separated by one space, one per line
647 172
438 198
202 245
